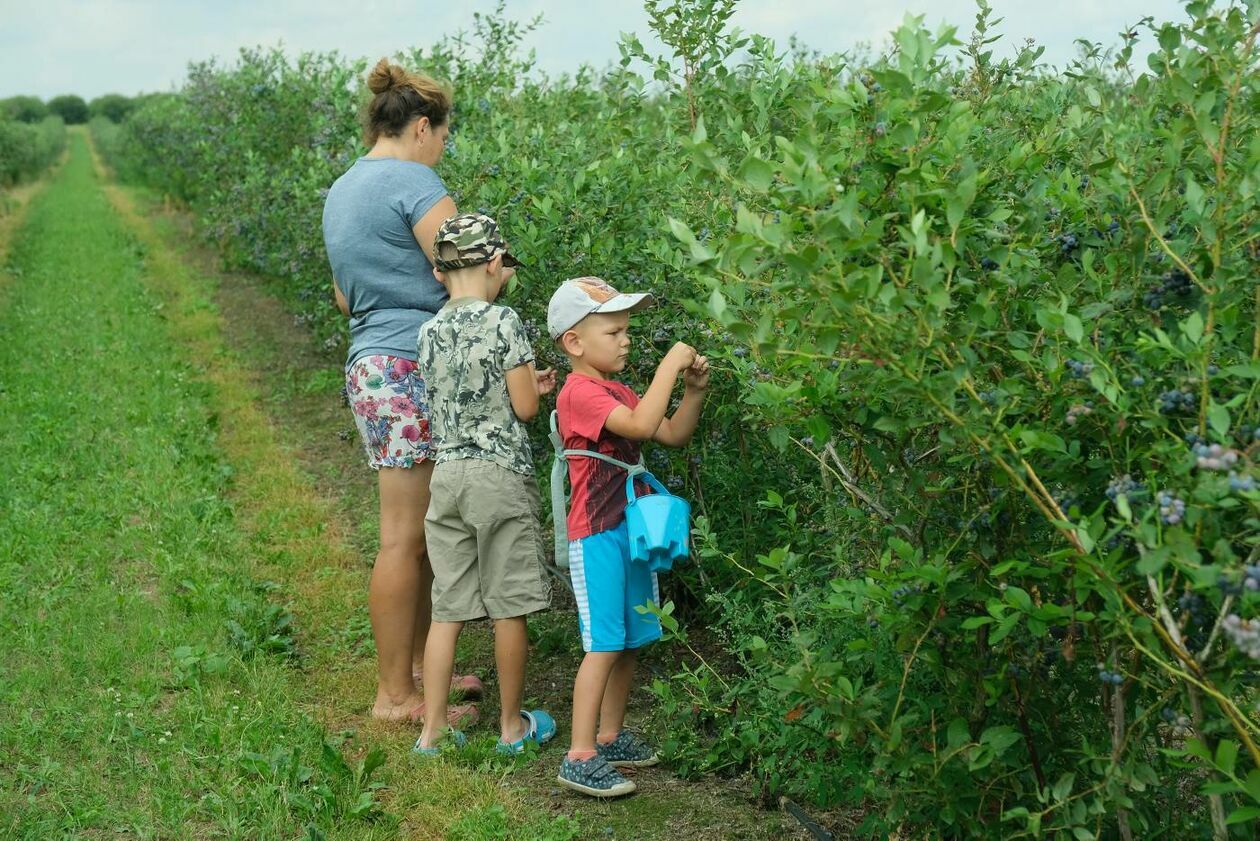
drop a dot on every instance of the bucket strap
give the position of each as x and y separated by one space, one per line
560 499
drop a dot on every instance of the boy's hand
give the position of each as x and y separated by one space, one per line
546 381
697 376
680 357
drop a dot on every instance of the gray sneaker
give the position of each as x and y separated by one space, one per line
593 776
628 751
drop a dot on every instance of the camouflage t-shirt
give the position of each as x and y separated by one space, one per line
463 354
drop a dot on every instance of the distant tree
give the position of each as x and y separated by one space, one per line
70 108
115 106
24 109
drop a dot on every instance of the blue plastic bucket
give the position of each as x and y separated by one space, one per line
659 525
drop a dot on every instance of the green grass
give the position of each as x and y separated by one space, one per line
145 686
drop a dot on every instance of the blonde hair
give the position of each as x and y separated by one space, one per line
399 98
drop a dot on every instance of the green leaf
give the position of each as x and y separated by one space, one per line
903 549
1000 738
756 173
1196 748
1063 787
717 305
1004 629
1194 195
1036 439
681 231
1017 597
1192 327
1073 327
973 622
1242 815
1218 419
1226 756
1251 785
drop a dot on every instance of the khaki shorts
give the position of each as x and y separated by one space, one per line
485 542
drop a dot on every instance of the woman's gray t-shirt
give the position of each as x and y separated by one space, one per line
377 263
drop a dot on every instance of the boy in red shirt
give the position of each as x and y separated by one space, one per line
590 322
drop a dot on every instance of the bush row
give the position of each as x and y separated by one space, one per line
27 150
977 516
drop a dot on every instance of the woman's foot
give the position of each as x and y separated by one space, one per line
410 709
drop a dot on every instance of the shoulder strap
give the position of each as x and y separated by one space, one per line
560 499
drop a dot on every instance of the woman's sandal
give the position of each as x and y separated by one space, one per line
463 687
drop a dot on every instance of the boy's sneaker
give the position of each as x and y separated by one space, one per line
593 776
627 751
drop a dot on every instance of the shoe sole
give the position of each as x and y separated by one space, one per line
635 763
616 791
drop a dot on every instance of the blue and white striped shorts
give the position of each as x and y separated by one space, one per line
608 587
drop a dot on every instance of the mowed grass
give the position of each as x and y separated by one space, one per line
155 681
127 707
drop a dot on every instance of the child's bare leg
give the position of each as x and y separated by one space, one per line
588 695
439 660
612 710
511 649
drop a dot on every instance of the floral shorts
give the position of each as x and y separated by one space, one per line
387 397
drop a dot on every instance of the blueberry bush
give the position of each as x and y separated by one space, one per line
27 149
977 544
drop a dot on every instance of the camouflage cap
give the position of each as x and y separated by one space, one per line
469 239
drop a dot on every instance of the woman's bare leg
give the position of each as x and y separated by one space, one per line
400 592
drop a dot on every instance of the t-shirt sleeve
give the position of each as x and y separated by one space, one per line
589 405
423 355
513 340
424 189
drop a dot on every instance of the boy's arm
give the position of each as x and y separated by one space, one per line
642 422
522 380
522 388
676 430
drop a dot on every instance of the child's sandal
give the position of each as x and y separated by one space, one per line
454 741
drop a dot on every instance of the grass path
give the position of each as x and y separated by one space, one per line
186 653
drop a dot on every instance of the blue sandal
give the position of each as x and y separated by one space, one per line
541 728
456 740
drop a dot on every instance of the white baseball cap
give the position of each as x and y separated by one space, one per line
581 296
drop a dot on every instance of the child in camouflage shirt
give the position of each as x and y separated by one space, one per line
482 525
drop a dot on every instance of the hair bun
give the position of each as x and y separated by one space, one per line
385 76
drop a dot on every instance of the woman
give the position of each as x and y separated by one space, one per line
380 219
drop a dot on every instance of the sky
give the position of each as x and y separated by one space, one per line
93 47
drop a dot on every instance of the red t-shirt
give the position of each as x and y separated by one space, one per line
599 488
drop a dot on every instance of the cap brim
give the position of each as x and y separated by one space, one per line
626 302
509 261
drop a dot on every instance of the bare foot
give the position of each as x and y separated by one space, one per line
412 709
